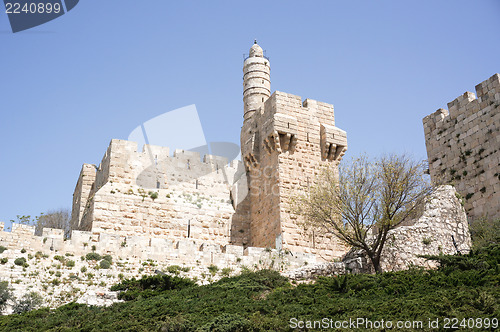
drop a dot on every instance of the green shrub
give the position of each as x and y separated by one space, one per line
59 258
226 271
4 260
104 264
83 269
70 263
227 322
213 269
174 269
5 294
485 232
2 249
150 286
93 256
108 258
23 251
21 261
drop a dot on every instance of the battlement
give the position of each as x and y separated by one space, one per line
188 252
462 147
488 93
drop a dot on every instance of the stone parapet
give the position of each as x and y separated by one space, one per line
463 147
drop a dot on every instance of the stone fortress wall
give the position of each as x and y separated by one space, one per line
186 252
463 147
284 144
148 208
153 194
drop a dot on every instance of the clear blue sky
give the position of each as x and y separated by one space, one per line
69 86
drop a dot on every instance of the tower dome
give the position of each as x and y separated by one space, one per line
256 50
256 80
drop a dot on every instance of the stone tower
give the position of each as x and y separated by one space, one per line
284 144
256 80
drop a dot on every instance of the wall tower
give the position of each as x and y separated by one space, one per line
284 144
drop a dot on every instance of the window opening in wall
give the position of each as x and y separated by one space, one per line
188 165
156 159
189 228
157 184
308 137
196 184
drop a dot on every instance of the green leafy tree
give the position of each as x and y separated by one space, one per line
362 201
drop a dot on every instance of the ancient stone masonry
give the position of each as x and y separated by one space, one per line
463 147
153 194
48 272
284 144
441 229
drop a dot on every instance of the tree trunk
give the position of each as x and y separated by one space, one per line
376 263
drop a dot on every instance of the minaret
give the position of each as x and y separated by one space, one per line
256 81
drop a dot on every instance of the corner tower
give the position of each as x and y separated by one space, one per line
284 143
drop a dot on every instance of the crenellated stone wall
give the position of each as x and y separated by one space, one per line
153 194
284 145
463 147
57 268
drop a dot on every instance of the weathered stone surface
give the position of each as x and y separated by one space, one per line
442 223
463 147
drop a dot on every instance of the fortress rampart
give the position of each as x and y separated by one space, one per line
153 194
188 252
463 147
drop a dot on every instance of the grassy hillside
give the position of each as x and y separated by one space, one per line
465 287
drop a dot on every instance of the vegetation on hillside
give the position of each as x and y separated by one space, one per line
465 287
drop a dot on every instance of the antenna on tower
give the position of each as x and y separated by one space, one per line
255 41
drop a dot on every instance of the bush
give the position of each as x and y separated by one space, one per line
174 269
83 269
228 322
2 249
213 269
28 302
4 260
484 232
21 261
70 263
104 264
150 286
59 258
93 256
23 251
5 294
108 258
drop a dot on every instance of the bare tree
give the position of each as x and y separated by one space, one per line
364 200
59 219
